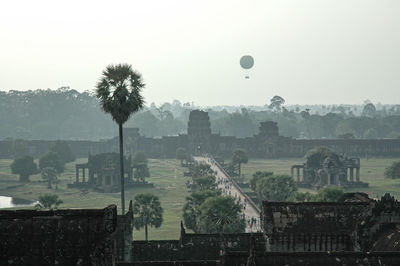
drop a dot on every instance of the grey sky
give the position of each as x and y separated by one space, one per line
308 51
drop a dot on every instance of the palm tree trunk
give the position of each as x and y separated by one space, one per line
121 158
146 233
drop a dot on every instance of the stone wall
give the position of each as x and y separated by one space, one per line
58 237
199 139
314 258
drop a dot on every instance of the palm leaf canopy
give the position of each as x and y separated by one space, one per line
119 91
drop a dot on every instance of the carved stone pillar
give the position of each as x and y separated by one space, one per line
358 174
351 174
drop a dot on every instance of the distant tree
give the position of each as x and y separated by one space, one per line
257 176
316 156
181 154
64 152
202 170
147 211
305 114
347 136
49 201
50 175
50 159
239 156
235 124
326 194
276 103
393 171
276 188
24 167
204 183
371 133
369 110
230 168
140 163
329 194
191 209
302 197
221 214
119 92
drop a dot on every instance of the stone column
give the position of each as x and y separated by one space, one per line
83 174
297 174
351 175
291 172
77 174
303 173
358 174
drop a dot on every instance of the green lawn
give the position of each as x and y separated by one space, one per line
372 170
167 176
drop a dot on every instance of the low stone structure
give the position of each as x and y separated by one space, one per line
331 170
103 172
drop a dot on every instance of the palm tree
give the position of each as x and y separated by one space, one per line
49 201
148 209
119 93
239 156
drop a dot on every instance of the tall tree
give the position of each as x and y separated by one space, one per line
369 110
257 176
276 188
24 167
221 214
148 211
191 209
393 171
119 92
239 156
63 151
49 201
50 175
51 159
276 103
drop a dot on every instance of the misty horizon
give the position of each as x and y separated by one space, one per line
309 52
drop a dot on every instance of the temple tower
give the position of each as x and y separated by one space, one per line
268 129
199 132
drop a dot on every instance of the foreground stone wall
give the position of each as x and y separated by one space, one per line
312 226
58 237
313 258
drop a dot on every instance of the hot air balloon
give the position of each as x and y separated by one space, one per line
247 62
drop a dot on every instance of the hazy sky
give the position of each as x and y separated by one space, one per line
308 51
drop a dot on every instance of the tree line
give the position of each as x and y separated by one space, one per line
68 114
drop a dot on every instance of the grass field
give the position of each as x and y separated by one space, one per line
371 171
167 176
